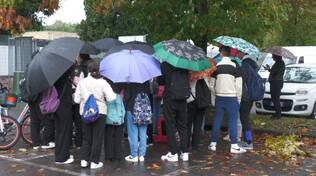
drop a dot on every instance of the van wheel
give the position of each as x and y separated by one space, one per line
313 114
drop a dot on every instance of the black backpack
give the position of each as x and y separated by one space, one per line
25 96
202 94
179 86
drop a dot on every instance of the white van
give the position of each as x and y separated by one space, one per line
305 54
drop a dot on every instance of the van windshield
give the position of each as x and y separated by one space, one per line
300 74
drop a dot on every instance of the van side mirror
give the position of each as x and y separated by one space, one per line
301 60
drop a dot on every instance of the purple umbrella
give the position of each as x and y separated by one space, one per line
132 66
277 50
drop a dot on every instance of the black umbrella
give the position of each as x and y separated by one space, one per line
51 63
89 48
106 44
134 45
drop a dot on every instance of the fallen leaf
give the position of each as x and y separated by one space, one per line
153 166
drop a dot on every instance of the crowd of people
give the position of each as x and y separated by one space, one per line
182 111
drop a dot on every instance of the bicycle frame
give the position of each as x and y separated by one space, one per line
2 110
23 114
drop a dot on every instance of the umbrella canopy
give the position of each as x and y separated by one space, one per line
51 63
88 48
280 51
134 45
239 44
132 66
106 44
196 75
182 54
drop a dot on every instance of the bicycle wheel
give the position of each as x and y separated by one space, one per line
26 129
10 134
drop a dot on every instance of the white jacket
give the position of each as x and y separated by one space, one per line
101 90
226 81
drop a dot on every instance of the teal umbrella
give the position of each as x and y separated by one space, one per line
181 54
239 44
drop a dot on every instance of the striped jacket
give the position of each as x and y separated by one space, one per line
226 80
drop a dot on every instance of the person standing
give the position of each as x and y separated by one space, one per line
246 103
226 88
93 132
276 83
195 114
138 115
63 119
177 90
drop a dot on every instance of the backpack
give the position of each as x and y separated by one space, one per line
115 111
25 95
202 94
90 110
142 110
179 86
254 88
50 101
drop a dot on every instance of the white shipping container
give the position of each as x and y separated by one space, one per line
4 61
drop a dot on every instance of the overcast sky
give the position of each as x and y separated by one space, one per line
70 11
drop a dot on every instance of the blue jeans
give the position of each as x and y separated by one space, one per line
156 112
231 106
137 136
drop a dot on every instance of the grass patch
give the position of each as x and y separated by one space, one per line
285 125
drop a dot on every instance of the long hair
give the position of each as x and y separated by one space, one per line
93 69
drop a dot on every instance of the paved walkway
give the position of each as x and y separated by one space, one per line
22 160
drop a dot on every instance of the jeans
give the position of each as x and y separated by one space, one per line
231 106
137 136
156 112
245 108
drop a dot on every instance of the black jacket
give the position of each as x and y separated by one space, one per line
247 76
277 71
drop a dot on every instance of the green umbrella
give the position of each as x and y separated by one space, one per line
181 54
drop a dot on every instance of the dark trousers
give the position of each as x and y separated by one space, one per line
244 111
175 114
77 125
49 129
195 119
93 134
113 142
275 90
63 130
36 120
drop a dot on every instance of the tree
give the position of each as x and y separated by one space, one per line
18 15
260 22
60 26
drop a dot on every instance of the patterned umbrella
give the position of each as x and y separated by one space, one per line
181 54
277 50
239 44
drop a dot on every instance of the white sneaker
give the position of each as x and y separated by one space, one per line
49 146
84 163
131 159
95 165
36 147
212 146
141 159
184 156
170 157
68 161
237 150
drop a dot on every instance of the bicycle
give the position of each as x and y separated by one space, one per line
10 128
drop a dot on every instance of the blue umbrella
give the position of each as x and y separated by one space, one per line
132 66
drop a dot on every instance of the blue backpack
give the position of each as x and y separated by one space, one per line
142 110
255 87
90 110
115 111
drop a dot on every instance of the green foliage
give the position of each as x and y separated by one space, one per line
60 26
262 22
